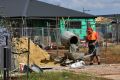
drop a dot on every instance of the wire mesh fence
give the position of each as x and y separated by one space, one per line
38 35
110 38
26 41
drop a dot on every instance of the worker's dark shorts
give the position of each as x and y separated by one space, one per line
92 48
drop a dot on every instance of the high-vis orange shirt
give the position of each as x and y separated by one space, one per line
92 36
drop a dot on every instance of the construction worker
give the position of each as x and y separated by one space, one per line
92 39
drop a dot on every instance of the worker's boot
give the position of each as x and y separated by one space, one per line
99 63
90 63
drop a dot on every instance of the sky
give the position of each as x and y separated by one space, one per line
95 7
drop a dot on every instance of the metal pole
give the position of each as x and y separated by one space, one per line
5 67
28 58
6 71
106 35
48 31
117 32
43 35
56 39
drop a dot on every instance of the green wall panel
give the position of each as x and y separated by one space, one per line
80 32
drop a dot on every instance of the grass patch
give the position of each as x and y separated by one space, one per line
111 54
61 76
115 49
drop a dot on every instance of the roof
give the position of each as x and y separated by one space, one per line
109 15
34 8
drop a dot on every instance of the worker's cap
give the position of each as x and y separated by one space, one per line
89 29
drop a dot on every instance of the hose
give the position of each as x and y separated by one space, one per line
89 55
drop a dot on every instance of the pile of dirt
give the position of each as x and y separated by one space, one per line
37 55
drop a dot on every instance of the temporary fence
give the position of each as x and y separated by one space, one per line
25 45
25 48
109 31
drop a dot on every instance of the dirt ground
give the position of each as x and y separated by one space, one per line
109 68
110 60
109 71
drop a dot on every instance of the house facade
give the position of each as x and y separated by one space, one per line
77 25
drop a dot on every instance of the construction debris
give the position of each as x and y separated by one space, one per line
78 64
102 20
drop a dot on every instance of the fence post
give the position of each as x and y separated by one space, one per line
6 61
28 56
43 35
6 70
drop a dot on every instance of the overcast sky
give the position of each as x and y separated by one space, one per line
96 7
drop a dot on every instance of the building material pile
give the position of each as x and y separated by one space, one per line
102 20
20 48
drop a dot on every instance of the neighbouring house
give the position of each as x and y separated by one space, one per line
103 25
109 26
40 14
